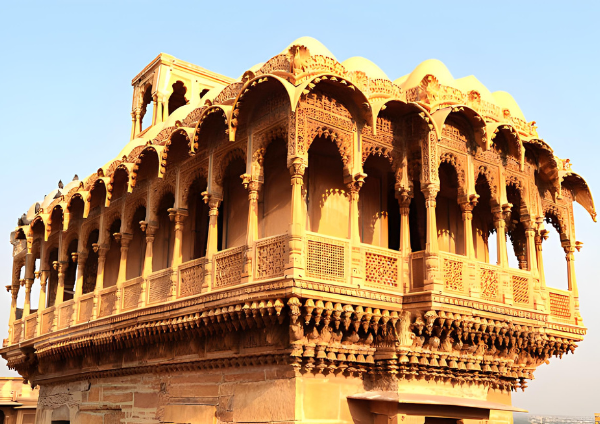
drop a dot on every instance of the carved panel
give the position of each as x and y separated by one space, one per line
159 287
191 277
326 258
85 309
520 289
47 320
64 316
228 267
453 275
381 269
560 305
107 303
17 330
271 257
131 294
489 283
30 327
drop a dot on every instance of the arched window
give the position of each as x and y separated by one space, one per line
56 220
137 246
113 256
328 202
120 181
71 271
517 256
448 213
98 197
274 208
147 115
76 208
177 98
52 287
90 270
162 250
147 168
378 209
196 235
177 150
555 264
235 205
417 218
483 223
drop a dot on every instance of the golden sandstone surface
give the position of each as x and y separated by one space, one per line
309 243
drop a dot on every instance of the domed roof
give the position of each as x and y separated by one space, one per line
430 66
470 83
506 101
358 63
314 46
32 211
50 198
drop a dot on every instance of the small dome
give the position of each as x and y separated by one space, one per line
314 46
358 63
470 83
430 66
31 212
50 198
506 101
400 81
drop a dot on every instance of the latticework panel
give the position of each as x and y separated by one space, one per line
107 303
47 320
271 256
30 327
326 259
17 330
64 316
86 307
453 275
560 305
131 296
520 289
381 269
489 283
228 267
191 278
159 289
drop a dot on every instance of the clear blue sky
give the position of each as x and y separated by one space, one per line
66 98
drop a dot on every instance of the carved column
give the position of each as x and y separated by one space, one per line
540 236
61 267
431 241
124 239
500 225
354 187
253 187
570 256
165 111
404 202
43 284
467 217
29 277
132 126
531 249
295 265
213 228
179 217
81 260
102 251
14 291
157 118
150 230
138 122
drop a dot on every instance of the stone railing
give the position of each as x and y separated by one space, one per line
327 260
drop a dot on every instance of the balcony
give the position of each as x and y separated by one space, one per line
328 261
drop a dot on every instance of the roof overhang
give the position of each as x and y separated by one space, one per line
435 405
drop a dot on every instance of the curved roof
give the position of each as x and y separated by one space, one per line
506 101
358 63
314 46
471 83
430 66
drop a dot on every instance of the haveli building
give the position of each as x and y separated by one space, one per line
17 401
308 243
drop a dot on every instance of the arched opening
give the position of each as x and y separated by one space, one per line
483 223
137 246
177 98
147 167
162 250
146 115
90 270
235 205
505 148
76 208
448 213
196 235
119 184
71 271
113 256
378 209
517 256
52 286
555 264
20 272
177 150
97 198
56 220
274 207
327 201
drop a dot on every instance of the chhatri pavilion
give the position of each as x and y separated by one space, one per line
309 243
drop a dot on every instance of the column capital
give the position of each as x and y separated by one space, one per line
356 182
430 190
212 201
125 239
297 167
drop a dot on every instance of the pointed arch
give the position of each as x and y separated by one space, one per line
212 128
476 121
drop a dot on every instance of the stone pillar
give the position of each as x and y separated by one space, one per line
541 236
500 225
133 125
179 217
295 266
148 256
14 291
43 285
124 239
431 243
165 104
404 203
102 251
61 267
570 256
81 260
138 122
253 187
354 187
157 118
213 228
467 217
531 249
29 278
